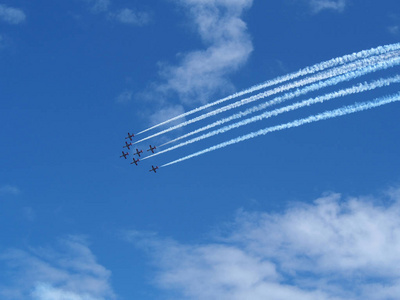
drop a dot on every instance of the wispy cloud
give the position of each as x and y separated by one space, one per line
69 271
98 6
130 16
395 30
165 113
124 97
9 190
333 248
302 72
124 16
202 73
11 15
2 42
394 27
319 5
29 213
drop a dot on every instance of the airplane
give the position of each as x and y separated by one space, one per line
138 152
127 145
153 169
135 161
152 149
130 136
124 154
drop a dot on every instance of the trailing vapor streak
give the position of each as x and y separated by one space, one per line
315 118
308 80
287 96
302 72
362 87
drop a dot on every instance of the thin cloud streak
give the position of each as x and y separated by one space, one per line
319 117
373 62
319 5
306 71
9 190
320 99
277 100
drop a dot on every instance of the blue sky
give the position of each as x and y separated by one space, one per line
305 213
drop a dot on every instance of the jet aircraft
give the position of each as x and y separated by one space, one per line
135 161
138 152
152 149
127 145
153 169
124 154
130 136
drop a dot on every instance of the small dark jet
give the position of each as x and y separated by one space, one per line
153 169
130 136
124 154
135 161
138 152
127 145
152 149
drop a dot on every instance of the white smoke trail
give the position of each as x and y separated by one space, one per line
375 61
302 72
319 117
362 87
285 97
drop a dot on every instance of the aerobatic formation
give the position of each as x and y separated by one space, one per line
137 152
329 74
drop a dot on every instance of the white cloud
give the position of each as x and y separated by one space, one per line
9 189
11 15
129 16
165 113
204 72
98 6
319 5
330 249
124 97
47 292
353 236
68 273
395 30
29 213
201 74
125 15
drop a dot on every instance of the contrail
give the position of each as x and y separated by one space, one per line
285 97
306 71
319 117
374 61
362 87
